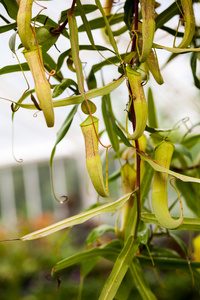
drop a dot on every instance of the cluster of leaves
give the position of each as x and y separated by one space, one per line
133 246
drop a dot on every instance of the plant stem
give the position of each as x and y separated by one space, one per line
132 110
62 26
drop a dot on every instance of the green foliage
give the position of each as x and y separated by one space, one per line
127 249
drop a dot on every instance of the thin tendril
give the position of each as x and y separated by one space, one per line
181 205
63 197
13 152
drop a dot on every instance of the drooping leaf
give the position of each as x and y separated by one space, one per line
119 132
87 266
176 50
63 130
109 252
167 14
106 109
79 98
85 22
8 27
100 22
11 7
108 28
193 64
77 219
88 8
157 167
13 68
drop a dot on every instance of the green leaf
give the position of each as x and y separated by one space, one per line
11 7
120 268
157 167
8 27
156 130
45 37
115 175
176 50
143 233
85 22
146 182
167 14
100 22
109 30
125 288
77 219
193 64
88 265
168 263
12 41
188 223
50 23
14 68
50 65
180 243
106 108
60 88
119 132
79 98
63 131
140 280
182 149
191 193
95 68
191 141
97 232
109 251
88 8
81 47
152 118
129 9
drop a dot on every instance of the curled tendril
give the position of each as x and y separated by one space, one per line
178 125
35 114
63 198
179 197
20 160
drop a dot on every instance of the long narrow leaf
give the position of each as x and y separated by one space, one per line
176 50
120 268
112 135
109 252
140 281
79 98
188 223
157 167
63 130
77 219
110 34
